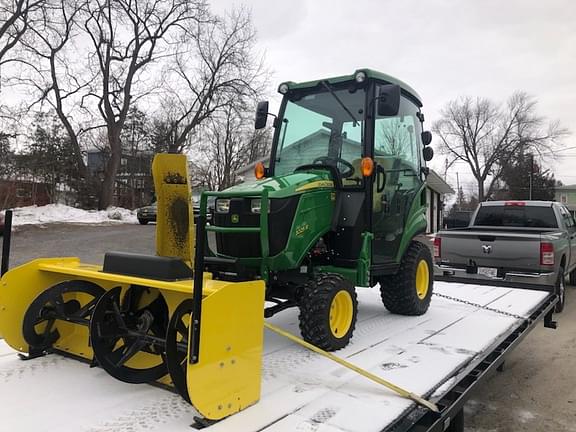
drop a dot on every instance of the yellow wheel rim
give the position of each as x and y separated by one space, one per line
341 313
422 279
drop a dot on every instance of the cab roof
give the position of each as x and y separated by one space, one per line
370 73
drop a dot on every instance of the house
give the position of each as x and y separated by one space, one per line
134 185
23 193
567 195
436 190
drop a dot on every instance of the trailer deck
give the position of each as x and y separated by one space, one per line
440 355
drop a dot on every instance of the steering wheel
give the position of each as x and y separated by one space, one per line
334 161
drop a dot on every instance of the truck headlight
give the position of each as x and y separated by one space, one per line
256 206
222 206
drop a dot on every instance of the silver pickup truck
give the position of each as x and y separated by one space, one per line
518 243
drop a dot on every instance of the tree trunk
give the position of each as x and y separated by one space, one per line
110 172
480 190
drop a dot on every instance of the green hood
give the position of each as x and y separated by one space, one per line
287 185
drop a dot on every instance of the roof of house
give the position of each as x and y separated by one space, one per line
566 187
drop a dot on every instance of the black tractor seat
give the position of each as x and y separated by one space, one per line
146 266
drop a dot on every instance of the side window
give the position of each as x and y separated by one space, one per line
399 137
568 219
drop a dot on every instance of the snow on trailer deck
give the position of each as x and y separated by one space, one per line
301 391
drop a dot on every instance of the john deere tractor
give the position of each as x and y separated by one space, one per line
339 205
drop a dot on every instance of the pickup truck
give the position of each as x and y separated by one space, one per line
515 243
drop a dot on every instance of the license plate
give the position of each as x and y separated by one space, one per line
488 271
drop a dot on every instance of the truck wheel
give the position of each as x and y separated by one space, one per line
409 291
560 291
328 309
573 278
143 221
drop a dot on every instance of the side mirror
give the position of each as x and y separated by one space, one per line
428 153
426 137
261 115
388 100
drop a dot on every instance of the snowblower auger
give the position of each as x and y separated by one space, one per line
146 318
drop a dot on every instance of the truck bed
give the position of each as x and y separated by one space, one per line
301 391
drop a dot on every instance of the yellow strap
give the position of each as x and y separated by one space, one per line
404 393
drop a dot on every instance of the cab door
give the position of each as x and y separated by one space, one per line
397 152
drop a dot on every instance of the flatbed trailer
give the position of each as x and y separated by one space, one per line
442 355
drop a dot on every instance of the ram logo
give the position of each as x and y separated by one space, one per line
486 249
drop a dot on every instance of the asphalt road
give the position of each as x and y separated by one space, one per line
536 391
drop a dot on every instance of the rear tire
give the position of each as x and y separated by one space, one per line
560 291
409 291
328 310
143 222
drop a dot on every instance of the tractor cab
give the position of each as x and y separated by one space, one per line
366 131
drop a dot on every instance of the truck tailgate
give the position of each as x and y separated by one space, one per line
492 249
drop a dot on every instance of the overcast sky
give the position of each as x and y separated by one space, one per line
442 48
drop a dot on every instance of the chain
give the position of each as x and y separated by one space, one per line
478 305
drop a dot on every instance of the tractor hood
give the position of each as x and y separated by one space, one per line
287 185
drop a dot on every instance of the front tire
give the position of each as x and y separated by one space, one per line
409 291
143 221
328 310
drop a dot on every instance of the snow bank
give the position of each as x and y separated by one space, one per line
58 213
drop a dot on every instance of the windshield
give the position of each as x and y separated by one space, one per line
324 128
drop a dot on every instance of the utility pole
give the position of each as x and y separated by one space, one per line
458 190
531 173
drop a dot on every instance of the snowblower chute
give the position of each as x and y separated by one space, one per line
146 318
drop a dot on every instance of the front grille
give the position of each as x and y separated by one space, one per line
247 245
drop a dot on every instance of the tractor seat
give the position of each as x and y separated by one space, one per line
146 266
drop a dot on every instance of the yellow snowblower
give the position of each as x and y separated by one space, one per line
146 318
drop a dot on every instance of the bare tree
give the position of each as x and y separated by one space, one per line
122 40
127 37
487 136
15 19
50 69
218 70
230 143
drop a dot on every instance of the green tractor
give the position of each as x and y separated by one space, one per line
340 205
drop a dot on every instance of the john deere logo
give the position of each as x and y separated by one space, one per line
301 229
235 218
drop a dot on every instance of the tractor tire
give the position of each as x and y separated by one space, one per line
409 291
328 310
560 290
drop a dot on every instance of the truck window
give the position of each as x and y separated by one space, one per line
516 216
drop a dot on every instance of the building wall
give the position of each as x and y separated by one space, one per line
18 193
566 196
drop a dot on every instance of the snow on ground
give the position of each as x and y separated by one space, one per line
59 213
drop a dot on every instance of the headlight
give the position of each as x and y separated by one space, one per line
360 76
222 206
256 206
